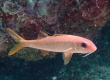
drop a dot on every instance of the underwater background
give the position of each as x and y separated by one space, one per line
95 66
86 18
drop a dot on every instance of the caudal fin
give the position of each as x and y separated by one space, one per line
19 41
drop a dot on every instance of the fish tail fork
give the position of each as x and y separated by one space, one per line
19 41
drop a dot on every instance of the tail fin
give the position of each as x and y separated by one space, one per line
18 39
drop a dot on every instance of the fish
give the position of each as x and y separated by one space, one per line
65 43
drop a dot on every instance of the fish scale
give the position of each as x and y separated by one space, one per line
68 44
57 44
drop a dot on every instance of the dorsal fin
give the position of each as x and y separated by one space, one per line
42 35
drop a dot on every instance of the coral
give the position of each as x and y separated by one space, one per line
36 55
90 14
10 8
3 46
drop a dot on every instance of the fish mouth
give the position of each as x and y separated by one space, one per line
87 54
93 49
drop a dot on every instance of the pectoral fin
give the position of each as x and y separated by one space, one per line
68 49
66 57
44 53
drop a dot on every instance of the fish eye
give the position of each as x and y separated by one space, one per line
84 45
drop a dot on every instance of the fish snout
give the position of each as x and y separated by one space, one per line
93 49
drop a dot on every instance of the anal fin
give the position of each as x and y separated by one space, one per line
66 57
44 53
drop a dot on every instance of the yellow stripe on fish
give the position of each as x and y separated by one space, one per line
68 44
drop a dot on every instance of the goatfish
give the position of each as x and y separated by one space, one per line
68 44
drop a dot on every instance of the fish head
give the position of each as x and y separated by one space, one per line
85 46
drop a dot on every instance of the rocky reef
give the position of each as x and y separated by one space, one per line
28 17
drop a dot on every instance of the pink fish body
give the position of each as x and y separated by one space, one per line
63 43
68 44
